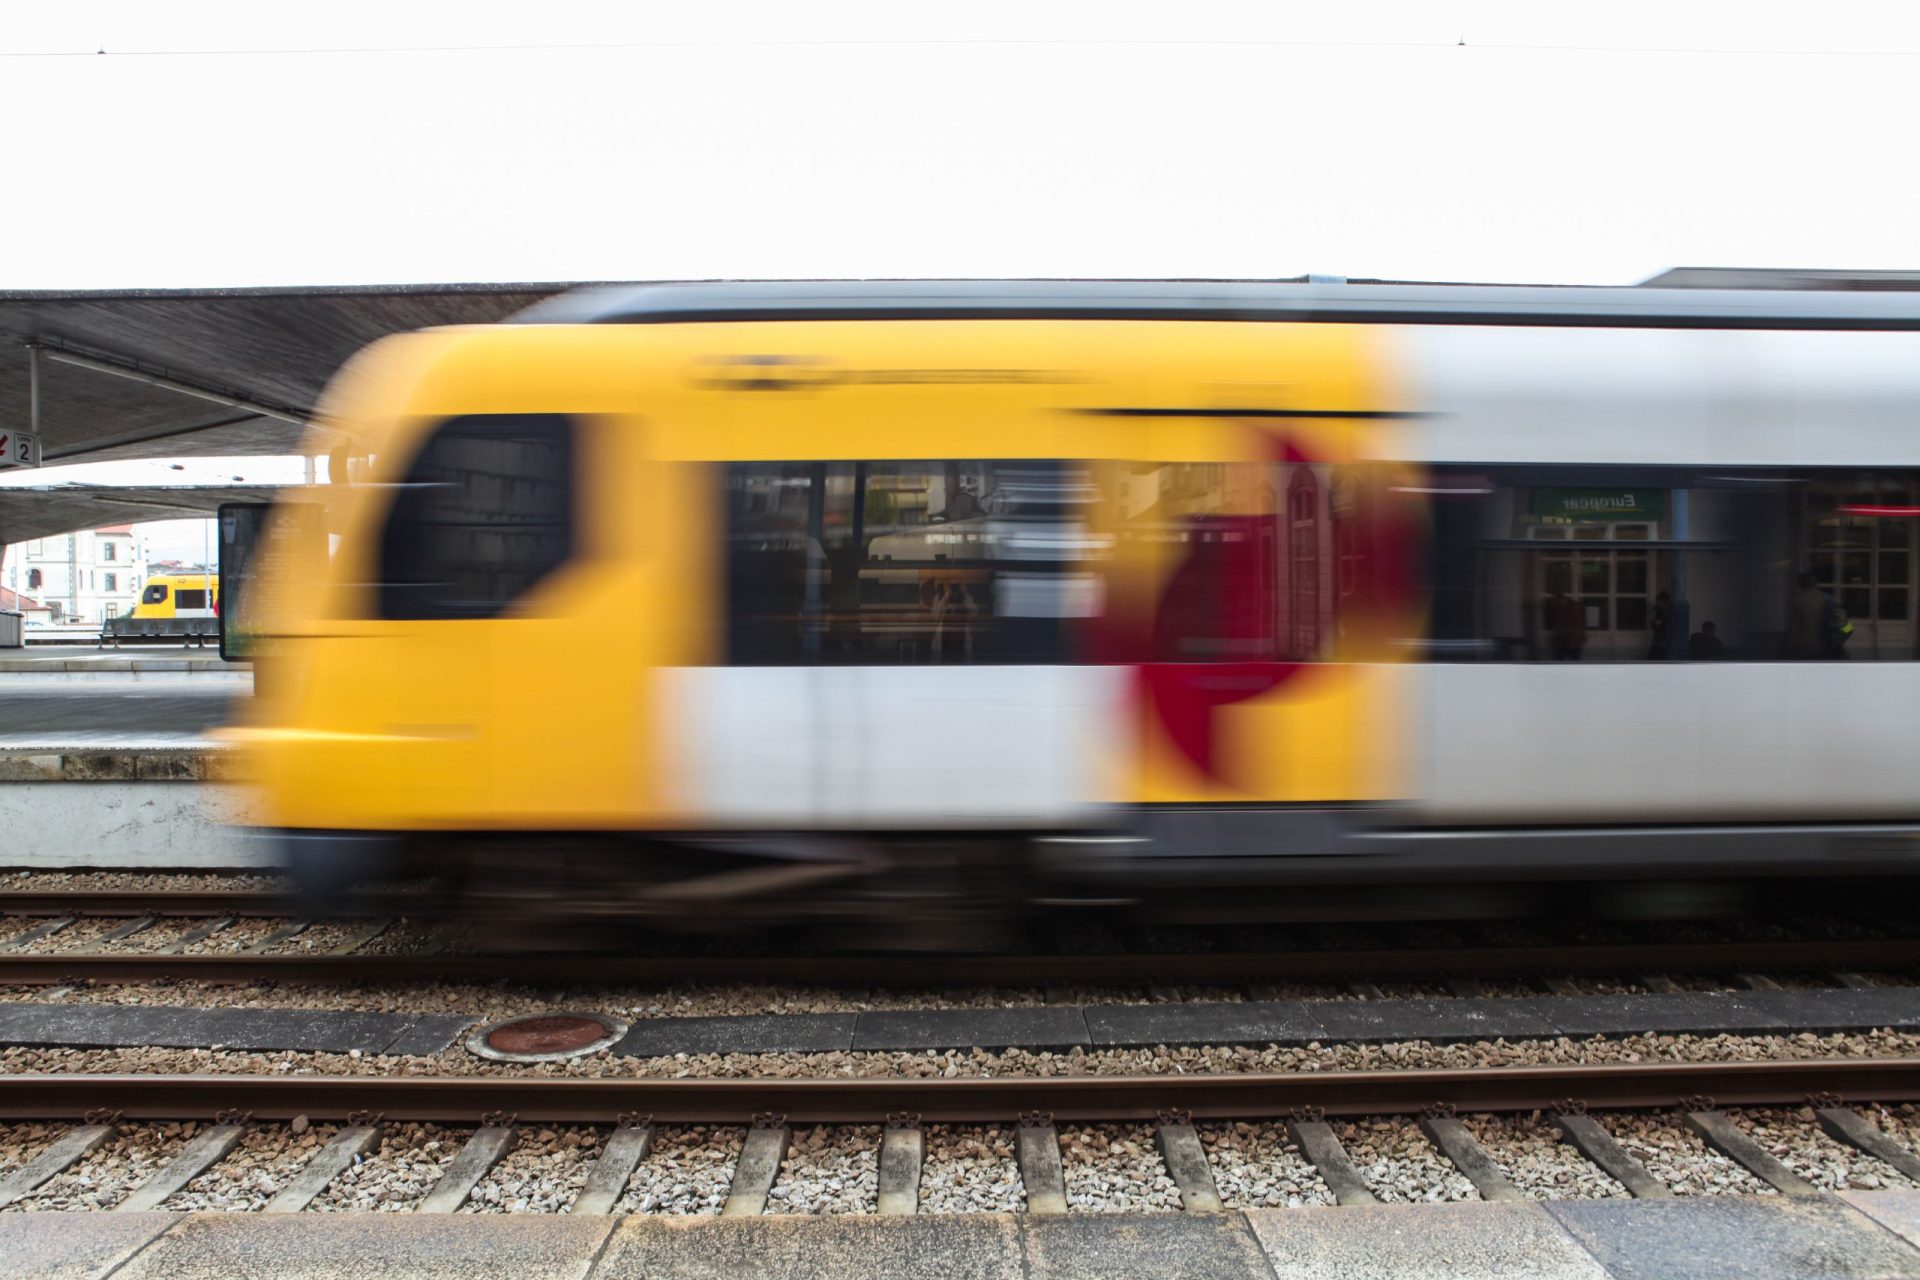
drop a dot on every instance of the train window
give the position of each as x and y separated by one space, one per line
190 598
1598 564
1044 561
907 562
484 513
156 593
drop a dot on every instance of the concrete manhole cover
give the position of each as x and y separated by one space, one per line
545 1037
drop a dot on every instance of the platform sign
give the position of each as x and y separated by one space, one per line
19 449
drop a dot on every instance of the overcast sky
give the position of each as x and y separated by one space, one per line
1576 142
238 143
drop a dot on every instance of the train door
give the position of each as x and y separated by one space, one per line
900 649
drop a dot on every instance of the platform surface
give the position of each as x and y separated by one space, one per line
1762 1237
43 658
101 712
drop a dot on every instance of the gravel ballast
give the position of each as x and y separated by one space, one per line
970 1169
1257 1166
1676 1155
1112 1168
128 1158
266 1159
1535 1159
1792 1137
1186 1060
410 1160
829 1169
541 1174
1399 1164
688 1171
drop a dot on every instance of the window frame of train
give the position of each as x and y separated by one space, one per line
535 521
1726 545
1151 562
849 563
257 541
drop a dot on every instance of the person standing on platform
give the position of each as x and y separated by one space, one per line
1705 645
1659 645
1808 621
1567 627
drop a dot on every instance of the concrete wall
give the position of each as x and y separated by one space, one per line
123 809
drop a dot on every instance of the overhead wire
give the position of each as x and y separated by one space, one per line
849 43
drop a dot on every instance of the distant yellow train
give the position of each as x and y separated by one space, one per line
1044 590
179 595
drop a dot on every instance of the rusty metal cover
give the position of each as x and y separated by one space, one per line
545 1037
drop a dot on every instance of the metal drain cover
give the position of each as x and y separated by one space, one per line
545 1037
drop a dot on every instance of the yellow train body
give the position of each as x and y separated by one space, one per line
564 712
179 595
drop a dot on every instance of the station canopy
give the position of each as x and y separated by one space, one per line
172 373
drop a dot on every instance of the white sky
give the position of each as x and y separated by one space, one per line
1575 142
227 142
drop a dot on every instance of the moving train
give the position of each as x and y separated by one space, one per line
845 599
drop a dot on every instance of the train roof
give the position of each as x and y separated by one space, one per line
1335 302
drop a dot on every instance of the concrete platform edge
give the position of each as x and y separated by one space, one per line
1439 1240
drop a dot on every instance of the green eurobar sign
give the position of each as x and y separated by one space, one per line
1599 504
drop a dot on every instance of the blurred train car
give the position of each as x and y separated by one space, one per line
826 598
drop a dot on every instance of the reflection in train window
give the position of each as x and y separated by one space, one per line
908 562
1040 561
1605 564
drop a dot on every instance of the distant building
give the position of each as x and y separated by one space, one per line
80 577
36 611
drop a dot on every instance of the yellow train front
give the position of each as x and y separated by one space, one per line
756 602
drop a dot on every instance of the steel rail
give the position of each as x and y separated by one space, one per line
917 970
199 902
542 1099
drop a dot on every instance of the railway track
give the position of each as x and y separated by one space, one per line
175 903
34 955
967 1099
1578 1098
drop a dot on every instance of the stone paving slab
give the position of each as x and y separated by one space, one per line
1480 1018
370 1246
1756 1237
1287 1022
109 1026
1897 1211
944 1247
430 1034
75 1246
1164 1246
1749 1236
1700 1012
754 1033
1846 1010
1043 1027
1420 1241
1254 1022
